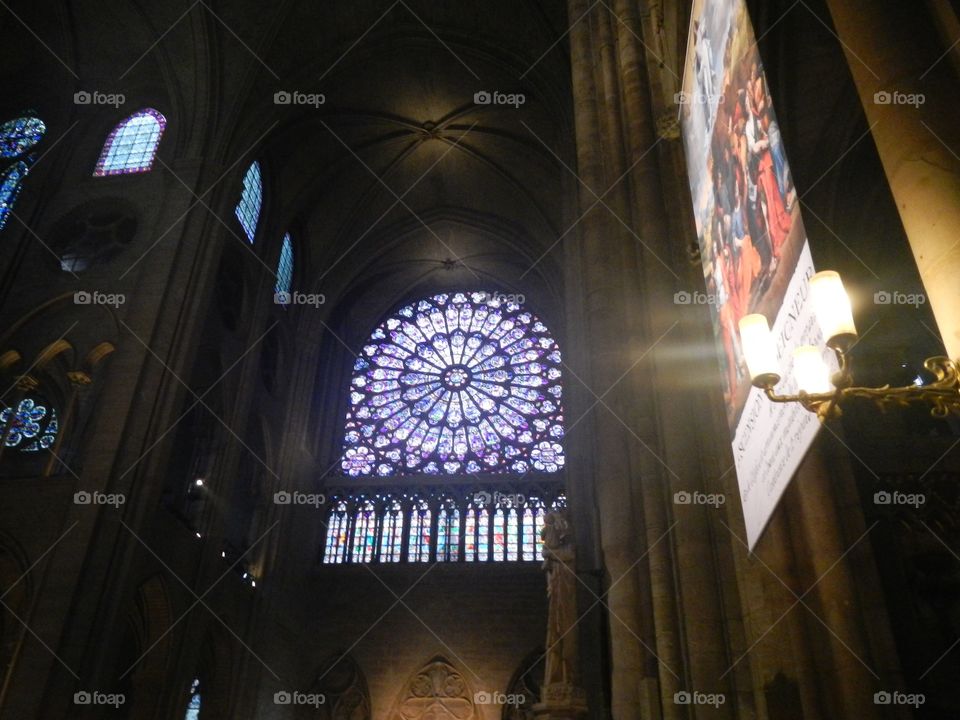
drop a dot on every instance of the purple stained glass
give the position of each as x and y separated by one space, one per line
453 384
132 145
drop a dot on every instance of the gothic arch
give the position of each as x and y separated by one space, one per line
437 691
344 686
525 683
147 643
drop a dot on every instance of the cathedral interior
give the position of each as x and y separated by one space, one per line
389 360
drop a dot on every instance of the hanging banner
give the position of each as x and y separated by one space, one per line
752 243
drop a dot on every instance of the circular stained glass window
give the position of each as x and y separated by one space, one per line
30 428
456 383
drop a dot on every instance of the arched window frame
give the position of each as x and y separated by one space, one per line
131 147
420 535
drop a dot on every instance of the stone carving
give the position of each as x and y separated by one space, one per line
437 692
345 688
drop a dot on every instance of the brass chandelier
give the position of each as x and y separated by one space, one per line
822 393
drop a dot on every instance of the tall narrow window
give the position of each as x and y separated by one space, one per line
285 266
448 532
456 383
499 535
337 534
10 185
364 533
532 521
132 145
193 706
512 535
251 198
391 538
419 542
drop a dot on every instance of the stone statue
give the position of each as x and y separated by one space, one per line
561 697
559 563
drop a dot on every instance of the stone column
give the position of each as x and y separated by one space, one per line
893 55
603 314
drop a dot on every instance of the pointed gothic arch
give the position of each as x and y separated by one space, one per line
437 691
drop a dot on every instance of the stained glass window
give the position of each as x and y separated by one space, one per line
132 145
419 544
19 135
285 266
456 383
499 536
532 523
32 427
448 532
10 184
251 198
193 707
513 531
364 533
391 539
337 534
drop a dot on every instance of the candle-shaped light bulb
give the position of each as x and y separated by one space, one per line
759 350
809 369
832 307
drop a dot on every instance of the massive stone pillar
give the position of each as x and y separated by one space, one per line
602 293
909 94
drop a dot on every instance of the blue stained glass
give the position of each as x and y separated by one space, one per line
30 428
132 145
474 385
364 533
193 707
10 186
251 198
337 535
419 541
19 135
285 266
